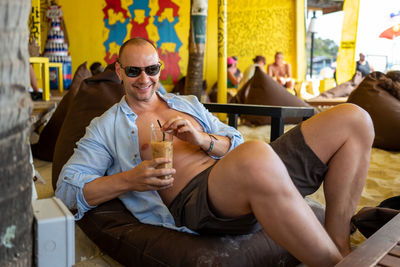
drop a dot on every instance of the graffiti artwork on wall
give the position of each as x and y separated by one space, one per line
34 23
156 23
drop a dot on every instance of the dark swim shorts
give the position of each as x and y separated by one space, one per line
191 207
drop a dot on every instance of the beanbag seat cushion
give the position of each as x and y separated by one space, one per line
379 95
44 148
119 234
261 89
96 95
370 219
344 89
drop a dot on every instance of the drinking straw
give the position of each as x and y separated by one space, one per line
163 134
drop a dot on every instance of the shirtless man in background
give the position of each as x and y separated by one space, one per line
281 71
220 184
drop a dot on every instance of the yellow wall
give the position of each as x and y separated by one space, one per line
261 27
254 27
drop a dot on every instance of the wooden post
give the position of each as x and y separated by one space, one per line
222 51
15 107
197 41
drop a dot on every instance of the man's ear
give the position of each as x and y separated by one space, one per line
118 70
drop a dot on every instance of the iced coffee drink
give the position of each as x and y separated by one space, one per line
161 147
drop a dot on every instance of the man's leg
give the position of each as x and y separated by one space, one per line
289 83
342 138
252 178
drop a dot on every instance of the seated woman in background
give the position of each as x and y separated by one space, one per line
281 71
363 66
234 76
34 90
259 61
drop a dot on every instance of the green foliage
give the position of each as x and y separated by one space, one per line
325 47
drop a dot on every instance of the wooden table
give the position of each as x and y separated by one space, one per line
43 110
277 114
315 102
41 113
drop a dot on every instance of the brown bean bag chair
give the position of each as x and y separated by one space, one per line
179 89
213 94
344 89
119 234
370 219
95 96
379 95
44 148
261 89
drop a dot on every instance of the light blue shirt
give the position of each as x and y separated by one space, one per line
111 145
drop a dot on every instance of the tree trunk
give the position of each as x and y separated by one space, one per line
197 40
15 107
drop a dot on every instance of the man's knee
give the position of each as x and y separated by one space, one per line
359 120
254 159
253 153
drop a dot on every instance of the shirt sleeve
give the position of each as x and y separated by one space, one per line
90 160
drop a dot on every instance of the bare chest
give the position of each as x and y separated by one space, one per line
279 71
145 121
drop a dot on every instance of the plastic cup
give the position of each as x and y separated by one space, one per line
161 147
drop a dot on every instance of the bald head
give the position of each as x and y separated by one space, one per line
136 41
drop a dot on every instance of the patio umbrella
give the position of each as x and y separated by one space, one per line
391 33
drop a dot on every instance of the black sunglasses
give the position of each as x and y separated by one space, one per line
133 72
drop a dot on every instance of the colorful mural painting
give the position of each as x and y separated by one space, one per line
156 22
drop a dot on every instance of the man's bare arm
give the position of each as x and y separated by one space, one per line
215 145
289 70
234 80
270 70
184 130
141 178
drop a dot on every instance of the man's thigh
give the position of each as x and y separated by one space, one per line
192 208
305 168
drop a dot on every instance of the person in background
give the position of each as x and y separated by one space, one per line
96 68
281 71
259 61
363 66
34 90
234 76
238 72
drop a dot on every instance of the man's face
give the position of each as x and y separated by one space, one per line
142 87
278 58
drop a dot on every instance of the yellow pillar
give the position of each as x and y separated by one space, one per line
300 68
222 51
346 65
34 22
